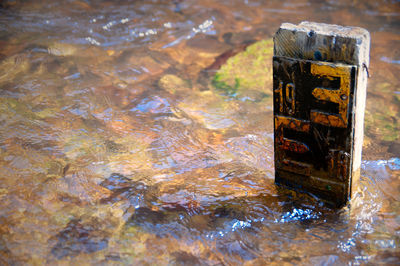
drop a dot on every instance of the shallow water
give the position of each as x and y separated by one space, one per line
116 148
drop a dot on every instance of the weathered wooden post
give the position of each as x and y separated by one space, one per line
320 78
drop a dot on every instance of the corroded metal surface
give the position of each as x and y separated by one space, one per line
318 107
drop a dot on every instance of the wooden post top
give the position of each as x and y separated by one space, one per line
323 42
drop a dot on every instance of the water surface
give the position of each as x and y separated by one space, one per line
116 148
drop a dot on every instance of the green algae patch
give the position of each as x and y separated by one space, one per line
222 86
250 70
381 114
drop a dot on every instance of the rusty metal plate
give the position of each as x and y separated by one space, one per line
313 122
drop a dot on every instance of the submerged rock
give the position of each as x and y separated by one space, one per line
172 83
147 215
125 189
185 258
381 114
62 49
13 65
248 70
78 237
210 110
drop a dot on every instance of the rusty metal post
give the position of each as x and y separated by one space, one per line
320 78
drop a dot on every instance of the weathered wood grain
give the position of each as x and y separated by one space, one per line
319 100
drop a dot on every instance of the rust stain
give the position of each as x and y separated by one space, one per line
292 123
280 91
339 96
295 124
338 164
296 167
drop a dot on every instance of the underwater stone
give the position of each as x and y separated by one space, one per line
247 70
172 83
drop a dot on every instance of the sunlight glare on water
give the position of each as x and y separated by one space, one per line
121 143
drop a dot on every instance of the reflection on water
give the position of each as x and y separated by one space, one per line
119 144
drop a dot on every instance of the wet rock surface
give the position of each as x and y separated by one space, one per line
77 237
